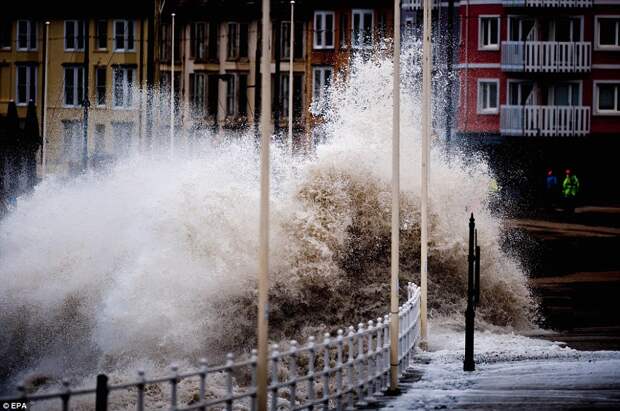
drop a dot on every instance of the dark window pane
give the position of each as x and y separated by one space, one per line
606 96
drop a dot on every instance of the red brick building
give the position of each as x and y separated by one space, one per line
542 78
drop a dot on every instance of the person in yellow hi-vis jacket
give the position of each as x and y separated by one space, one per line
570 189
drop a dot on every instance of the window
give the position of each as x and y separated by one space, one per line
361 30
26 83
323 29
102 34
343 30
74 86
488 34
26 35
521 28
285 40
99 139
565 94
74 35
123 86
213 94
608 32
297 96
213 52
198 84
488 90
124 35
122 134
237 41
72 141
520 93
6 27
230 96
243 95
607 98
198 43
321 79
100 85
283 94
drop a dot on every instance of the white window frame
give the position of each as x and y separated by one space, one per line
75 97
491 47
316 100
551 90
322 14
581 30
29 41
199 107
479 109
97 34
126 88
231 97
518 81
76 27
521 17
597 32
29 76
356 41
98 86
595 102
126 46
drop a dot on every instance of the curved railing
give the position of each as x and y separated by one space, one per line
348 370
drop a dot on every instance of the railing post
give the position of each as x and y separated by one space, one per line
101 393
229 380
311 357
378 381
386 351
253 359
274 377
173 387
141 385
351 366
293 374
339 365
326 342
370 364
469 364
204 372
360 366
66 395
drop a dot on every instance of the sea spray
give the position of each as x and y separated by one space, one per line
154 260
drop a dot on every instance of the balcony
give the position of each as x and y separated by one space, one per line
547 3
418 4
545 121
546 56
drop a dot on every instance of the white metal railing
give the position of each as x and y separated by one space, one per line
418 4
546 56
547 3
342 372
545 121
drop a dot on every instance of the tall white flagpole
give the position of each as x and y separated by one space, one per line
290 78
44 114
395 257
172 90
263 253
426 132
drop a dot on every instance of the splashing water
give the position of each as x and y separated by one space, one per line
154 260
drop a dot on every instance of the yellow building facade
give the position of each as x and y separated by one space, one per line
97 62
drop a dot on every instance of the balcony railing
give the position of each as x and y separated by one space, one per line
545 121
547 56
548 3
418 4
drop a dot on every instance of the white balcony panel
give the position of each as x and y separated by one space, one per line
544 121
546 56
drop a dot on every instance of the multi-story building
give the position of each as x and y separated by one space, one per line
217 53
543 76
96 60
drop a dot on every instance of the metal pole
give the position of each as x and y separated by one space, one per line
468 364
172 89
290 78
395 258
44 108
86 94
426 132
263 273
